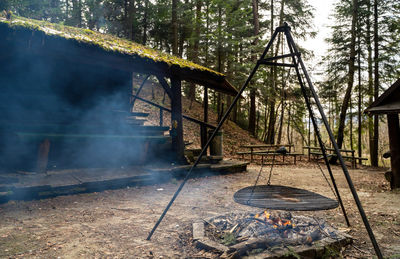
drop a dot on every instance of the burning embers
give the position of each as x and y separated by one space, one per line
276 222
243 232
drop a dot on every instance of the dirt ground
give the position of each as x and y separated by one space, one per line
115 223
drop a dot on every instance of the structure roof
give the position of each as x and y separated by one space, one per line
387 102
135 55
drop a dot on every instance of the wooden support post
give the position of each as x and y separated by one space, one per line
176 119
43 156
203 129
205 104
353 159
161 117
203 135
394 140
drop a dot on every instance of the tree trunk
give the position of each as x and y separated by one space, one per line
257 123
280 125
264 135
351 124
370 83
359 96
288 128
131 27
271 124
145 22
347 96
76 17
174 23
256 30
194 55
66 11
252 112
374 153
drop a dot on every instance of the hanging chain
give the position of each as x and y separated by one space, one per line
270 171
258 177
255 184
326 178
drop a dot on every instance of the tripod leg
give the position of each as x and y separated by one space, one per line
293 49
203 151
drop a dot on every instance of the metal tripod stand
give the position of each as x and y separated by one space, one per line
301 72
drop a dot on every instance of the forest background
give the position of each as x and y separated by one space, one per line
228 36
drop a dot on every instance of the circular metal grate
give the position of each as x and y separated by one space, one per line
283 198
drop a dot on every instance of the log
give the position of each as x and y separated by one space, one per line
262 242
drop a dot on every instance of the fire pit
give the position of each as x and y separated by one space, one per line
271 234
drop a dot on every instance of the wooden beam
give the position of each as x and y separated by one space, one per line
165 85
394 140
178 145
138 92
183 115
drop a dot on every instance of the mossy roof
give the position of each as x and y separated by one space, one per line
105 41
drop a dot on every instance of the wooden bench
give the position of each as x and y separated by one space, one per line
274 154
43 136
45 141
353 159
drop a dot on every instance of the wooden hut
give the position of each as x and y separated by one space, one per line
389 103
63 83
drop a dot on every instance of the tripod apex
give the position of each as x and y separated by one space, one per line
284 27
285 24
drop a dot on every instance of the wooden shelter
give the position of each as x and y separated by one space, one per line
53 74
389 103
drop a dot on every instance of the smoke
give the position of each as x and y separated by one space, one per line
80 106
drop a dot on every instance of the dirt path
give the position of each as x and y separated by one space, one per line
115 223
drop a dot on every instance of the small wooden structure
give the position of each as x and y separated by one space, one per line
389 103
59 82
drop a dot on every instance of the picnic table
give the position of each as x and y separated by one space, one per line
266 150
346 153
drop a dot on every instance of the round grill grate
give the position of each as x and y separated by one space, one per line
283 198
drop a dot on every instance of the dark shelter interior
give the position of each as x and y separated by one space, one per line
65 98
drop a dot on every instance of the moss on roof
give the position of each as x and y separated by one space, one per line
105 41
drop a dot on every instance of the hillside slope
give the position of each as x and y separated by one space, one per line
233 137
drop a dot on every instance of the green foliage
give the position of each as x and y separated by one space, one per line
228 238
331 252
336 63
291 253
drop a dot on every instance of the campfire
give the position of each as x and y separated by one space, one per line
268 232
275 222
